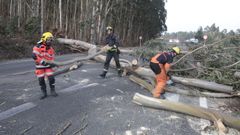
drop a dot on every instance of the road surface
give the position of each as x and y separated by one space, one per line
88 105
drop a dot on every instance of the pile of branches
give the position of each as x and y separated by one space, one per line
218 61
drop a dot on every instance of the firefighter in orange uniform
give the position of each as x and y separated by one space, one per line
160 65
43 52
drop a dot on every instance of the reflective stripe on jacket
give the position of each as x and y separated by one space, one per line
41 52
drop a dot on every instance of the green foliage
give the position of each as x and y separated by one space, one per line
199 34
32 26
2 26
10 28
151 48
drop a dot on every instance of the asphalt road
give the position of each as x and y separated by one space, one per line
88 105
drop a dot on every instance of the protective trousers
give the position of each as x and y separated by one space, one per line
115 55
161 77
42 84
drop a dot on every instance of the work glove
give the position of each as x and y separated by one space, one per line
43 62
169 75
52 65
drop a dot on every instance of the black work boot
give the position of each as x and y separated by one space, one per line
120 73
44 91
52 86
53 92
103 75
162 96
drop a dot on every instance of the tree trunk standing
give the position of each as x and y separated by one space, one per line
74 19
103 24
81 21
66 23
93 23
11 8
55 16
42 17
87 31
35 8
60 14
19 13
38 2
98 20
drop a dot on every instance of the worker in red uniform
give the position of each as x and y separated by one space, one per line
42 53
160 65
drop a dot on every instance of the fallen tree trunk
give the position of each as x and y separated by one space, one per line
68 69
237 74
83 44
146 73
203 84
75 60
208 114
174 89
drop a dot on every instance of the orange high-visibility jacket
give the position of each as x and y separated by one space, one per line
164 60
41 52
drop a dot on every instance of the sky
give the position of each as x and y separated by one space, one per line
189 15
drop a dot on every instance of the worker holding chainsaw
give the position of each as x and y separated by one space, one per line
42 53
160 65
112 44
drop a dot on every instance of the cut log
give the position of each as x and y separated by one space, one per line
189 110
237 74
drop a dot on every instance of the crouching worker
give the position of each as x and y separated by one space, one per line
112 52
160 65
41 52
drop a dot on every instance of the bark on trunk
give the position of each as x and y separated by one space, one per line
208 114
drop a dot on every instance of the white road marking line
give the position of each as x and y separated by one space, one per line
18 73
172 97
22 73
90 85
15 110
128 132
84 70
77 87
203 103
120 91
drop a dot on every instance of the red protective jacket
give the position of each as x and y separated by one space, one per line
41 52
